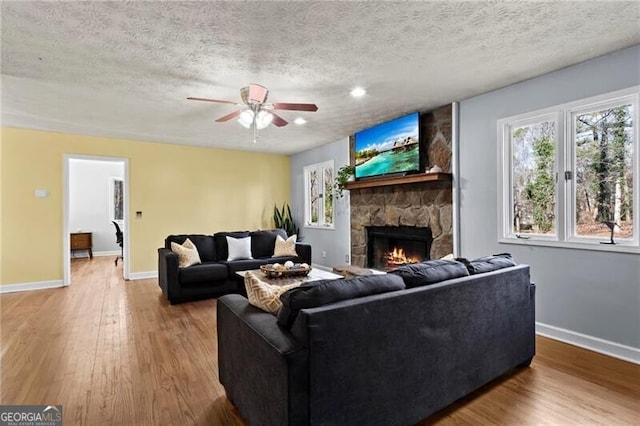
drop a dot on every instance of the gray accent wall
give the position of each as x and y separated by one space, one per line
594 293
335 242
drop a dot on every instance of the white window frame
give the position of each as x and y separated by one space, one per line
565 161
320 168
505 126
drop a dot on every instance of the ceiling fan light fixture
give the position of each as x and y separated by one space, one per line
263 119
300 121
246 118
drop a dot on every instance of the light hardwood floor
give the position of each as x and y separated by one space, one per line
116 353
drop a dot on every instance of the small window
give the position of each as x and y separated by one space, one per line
318 181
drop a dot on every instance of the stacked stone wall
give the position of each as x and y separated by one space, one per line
427 204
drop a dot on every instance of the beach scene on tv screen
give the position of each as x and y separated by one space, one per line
390 147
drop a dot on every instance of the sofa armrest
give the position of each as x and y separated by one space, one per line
168 274
262 366
304 251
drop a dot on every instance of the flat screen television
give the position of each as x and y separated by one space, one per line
388 148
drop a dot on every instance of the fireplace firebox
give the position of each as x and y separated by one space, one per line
391 246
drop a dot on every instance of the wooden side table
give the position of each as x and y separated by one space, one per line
82 241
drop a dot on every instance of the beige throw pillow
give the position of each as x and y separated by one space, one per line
187 253
285 247
264 295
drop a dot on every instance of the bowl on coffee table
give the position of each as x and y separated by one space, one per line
277 270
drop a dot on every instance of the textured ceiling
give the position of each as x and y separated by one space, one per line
124 69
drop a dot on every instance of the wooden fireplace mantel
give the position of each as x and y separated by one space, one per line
399 180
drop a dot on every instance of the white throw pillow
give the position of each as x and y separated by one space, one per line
239 248
264 295
187 253
285 247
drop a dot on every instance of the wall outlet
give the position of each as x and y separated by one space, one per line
346 258
324 254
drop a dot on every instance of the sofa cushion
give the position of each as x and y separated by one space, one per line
220 241
204 273
318 293
264 295
263 242
187 253
488 263
243 265
239 248
285 246
429 272
204 244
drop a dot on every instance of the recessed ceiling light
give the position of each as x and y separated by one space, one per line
358 92
299 121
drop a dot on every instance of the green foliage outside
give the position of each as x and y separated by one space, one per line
541 190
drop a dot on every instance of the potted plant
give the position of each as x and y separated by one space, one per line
283 219
345 174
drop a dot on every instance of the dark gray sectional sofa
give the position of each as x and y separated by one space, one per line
392 358
216 275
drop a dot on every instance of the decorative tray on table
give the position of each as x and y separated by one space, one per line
287 270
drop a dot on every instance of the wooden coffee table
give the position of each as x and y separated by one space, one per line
314 275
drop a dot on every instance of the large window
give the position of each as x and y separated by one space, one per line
570 174
318 196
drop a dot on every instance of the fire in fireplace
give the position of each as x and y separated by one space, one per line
391 246
397 257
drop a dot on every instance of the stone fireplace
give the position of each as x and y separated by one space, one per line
414 205
391 246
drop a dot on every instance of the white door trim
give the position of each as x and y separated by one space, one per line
66 252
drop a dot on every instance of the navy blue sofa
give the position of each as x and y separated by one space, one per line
387 359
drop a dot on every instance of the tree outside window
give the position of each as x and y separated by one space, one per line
319 195
572 187
604 171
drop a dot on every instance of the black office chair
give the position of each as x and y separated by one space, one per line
119 240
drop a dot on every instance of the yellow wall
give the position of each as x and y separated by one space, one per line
179 189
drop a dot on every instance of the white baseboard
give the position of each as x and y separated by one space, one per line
143 275
321 267
107 253
40 285
595 344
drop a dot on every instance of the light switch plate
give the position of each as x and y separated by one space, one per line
41 193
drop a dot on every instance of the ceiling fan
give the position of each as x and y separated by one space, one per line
257 113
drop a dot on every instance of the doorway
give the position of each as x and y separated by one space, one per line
95 200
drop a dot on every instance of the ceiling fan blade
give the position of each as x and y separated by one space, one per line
278 121
213 100
296 107
228 117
